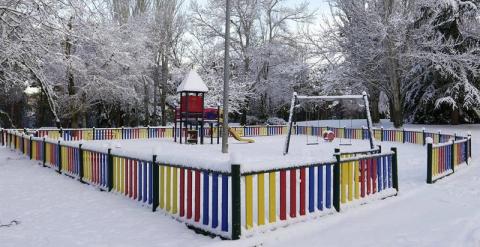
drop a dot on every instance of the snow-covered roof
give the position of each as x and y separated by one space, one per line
192 83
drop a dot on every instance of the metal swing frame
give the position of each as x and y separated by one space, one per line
297 97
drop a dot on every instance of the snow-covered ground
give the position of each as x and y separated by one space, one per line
53 210
265 153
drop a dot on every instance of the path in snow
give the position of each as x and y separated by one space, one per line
55 210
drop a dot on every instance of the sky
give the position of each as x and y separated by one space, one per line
321 5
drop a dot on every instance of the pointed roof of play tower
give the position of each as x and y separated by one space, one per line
192 83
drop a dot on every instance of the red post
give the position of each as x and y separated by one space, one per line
302 191
293 192
283 195
197 196
182 192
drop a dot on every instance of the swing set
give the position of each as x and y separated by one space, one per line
314 109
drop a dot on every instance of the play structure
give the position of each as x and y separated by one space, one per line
192 115
316 131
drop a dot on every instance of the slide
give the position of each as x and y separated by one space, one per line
239 138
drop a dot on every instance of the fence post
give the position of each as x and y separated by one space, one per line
59 154
109 170
22 144
381 134
395 168
155 177
148 131
466 151
14 142
423 136
3 141
236 202
403 137
30 147
80 163
122 132
44 152
429 161
60 131
469 146
336 181
94 134
452 155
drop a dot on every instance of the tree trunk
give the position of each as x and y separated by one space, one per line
156 85
71 82
163 95
455 117
397 114
145 102
374 99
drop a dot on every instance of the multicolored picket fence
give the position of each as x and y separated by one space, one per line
233 203
443 159
214 201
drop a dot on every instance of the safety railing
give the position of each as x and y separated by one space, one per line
445 158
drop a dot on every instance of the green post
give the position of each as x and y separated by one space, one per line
155 176
381 134
423 136
93 134
60 131
148 131
452 155
123 130
44 152
466 152
403 136
336 181
110 170
22 144
395 168
30 147
469 146
80 158
236 202
59 153
429 162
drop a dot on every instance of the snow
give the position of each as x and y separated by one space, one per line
266 153
53 210
192 83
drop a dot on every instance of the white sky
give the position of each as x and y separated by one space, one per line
321 5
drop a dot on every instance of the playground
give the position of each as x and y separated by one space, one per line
85 211
273 176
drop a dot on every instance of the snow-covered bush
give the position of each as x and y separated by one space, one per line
276 121
252 120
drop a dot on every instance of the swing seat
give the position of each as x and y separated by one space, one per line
328 136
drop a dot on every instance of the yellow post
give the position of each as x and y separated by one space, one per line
169 174
174 199
357 180
272 214
350 181
343 182
248 202
162 187
261 198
